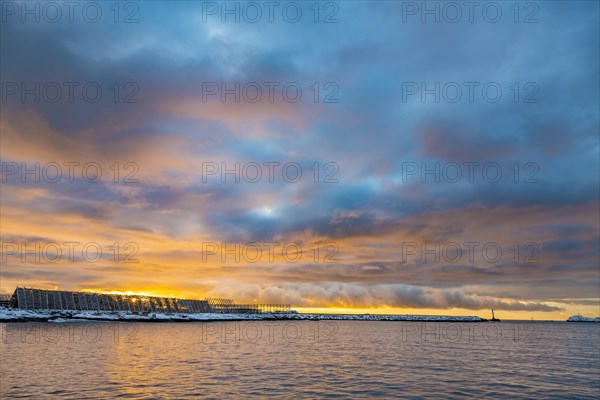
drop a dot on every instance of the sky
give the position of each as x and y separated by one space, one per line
352 156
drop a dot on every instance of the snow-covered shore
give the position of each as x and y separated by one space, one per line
581 318
15 315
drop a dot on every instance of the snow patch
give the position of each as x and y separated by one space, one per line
581 318
15 315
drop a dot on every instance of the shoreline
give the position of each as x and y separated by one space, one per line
16 315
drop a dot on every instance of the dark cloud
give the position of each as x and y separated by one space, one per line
370 134
399 295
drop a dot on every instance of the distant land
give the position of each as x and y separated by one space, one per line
18 315
42 305
580 318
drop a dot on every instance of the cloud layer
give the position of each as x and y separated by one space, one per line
382 168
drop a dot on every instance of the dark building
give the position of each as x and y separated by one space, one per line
41 299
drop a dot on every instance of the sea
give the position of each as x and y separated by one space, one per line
300 360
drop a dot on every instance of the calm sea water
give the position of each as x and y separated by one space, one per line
302 359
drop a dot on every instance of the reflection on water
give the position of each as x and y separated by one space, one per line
300 359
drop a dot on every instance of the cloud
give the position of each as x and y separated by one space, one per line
370 135
363 296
